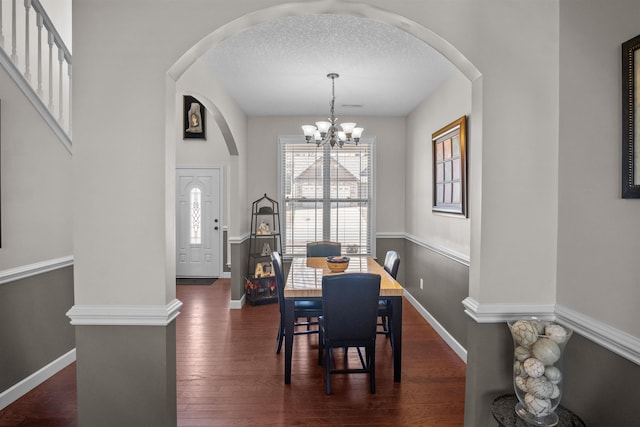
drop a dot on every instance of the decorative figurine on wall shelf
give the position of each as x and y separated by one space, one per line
266 250
263 228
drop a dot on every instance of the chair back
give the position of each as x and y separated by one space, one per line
350 307
317 249
276 260
392 263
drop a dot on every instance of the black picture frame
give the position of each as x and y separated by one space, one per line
630 122
449 166
194 118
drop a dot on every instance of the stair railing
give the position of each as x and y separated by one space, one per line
51 92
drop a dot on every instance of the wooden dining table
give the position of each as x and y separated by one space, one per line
304 282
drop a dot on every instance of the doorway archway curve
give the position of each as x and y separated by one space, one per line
325 7
338 7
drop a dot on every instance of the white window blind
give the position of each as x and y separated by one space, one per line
327 194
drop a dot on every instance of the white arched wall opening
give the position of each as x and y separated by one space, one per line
351 9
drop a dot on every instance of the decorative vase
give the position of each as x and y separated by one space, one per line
537 368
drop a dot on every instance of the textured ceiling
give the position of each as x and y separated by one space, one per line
280 67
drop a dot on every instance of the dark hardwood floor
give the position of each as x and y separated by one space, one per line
229 375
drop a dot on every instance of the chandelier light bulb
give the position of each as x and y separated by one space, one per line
327 132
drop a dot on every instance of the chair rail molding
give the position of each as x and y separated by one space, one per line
124 315
22 272
609 337
451 254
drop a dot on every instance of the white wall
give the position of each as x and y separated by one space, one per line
518 222
599 237
35 174
451 101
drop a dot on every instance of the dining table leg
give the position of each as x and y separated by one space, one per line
289 321
396 332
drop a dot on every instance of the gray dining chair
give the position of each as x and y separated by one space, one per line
324 248
349 318
391 266
308 309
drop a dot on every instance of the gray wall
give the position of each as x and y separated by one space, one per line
34 329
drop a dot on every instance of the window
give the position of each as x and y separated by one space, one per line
327 194
195 202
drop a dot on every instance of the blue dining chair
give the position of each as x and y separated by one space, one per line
317 249
310 309
391 266
350 311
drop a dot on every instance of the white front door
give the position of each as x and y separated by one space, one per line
198 222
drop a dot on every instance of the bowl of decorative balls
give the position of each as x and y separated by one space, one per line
337 264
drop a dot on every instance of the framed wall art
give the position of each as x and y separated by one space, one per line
450 168
631 118
194 115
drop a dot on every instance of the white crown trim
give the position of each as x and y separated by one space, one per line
607 336
24 271
125 315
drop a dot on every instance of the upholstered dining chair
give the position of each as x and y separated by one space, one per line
307 309
350 311
317 249
391 265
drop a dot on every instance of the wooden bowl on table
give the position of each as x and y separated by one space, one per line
337 264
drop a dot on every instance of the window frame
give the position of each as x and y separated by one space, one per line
370 141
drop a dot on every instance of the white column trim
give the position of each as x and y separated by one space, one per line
125 315
502 312
24 271
607 336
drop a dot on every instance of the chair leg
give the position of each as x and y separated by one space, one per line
327 362
372 368
280 337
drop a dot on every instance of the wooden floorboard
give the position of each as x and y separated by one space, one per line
229 375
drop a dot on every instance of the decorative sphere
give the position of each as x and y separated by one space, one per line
537 406
524 333
553 374
539 387
522 353
539 325
546 351
521 383
555 393
556 333
518 369
533 367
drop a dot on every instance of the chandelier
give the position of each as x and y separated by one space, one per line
327 132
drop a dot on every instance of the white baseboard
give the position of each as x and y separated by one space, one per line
444 334
238 304
18 390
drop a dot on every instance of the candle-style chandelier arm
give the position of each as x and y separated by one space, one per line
327 132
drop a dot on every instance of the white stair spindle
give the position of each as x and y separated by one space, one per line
14 26
1 29
60 96
27 70
39 21
70 98
50 42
